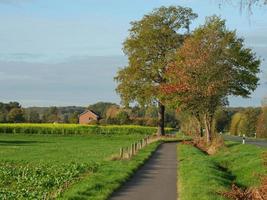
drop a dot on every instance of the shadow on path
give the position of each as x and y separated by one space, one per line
156 180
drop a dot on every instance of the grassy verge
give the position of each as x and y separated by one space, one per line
244 161
198 175
204 176
100 185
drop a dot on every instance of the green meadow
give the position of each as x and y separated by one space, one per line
47 166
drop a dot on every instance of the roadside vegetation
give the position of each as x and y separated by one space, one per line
238 164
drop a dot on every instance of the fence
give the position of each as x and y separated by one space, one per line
130 151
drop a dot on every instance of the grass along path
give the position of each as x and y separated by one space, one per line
109 177
43 166
203 176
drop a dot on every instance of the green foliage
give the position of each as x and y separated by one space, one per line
189 124
248 122
15 115
101 108
235 124
212 64
222 120
74 118
11 112
149 47
245 122
123 118
51 115
32 116
23 181
262 123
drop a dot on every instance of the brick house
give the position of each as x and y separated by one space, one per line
88 116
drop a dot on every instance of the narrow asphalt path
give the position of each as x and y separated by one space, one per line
257 142
155 180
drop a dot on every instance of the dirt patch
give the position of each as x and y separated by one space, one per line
237 193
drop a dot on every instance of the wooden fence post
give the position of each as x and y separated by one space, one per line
132 153
121 153
127 150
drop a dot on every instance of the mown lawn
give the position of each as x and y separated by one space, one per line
47 166
204 176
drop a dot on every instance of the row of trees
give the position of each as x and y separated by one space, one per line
13 112
250 121
193 72
110 113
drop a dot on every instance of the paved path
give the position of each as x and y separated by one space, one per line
257 142
156 180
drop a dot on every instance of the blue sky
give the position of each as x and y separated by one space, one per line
66 52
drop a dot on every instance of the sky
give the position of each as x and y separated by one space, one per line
66 52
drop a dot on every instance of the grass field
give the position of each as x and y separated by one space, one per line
44 166
204 176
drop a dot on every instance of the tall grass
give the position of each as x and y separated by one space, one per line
67 129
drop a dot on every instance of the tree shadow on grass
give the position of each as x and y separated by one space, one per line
232 144
19 142
226 177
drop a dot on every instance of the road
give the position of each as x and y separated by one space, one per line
257 142
156 180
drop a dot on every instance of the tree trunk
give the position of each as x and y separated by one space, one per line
201 131
208 124
161 111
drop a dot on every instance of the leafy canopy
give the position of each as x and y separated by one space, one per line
212 64
150 45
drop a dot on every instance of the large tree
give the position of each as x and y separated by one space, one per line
150 45
212 64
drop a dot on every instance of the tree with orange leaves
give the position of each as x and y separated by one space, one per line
212 64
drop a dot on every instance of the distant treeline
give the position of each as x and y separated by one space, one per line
237 120
13 112
110 113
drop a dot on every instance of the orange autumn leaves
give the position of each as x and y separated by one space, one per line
199 71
